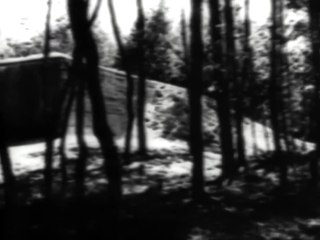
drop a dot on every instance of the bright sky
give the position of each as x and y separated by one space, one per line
20 19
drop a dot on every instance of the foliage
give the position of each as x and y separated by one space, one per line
162 51
176 122
296 72
61 41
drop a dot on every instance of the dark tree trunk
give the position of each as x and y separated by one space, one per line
142 81
65 114
222 92
11 202
285 85
184 41
231 75
48 113
247 74
80 75
85 44
130 83
274 89
195 93
314 12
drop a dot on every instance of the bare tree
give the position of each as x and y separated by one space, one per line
79 73
48 111
130 83
274 88
231 76
314 14
222 92
142 80
184 39
11 201
247 71
195 93
86 52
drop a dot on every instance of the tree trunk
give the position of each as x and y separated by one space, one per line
48 113
11 202
130 82
247 75
80 75
231 75
85 44
274 90
195 93
184 41
142 81
222 92
285 86
314 13
66 112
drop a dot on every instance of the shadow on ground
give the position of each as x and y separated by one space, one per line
157 205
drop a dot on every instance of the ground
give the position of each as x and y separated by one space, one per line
157 201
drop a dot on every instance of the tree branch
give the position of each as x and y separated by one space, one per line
95 13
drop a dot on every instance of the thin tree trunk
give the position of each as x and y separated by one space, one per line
223 92
184 40
66 112
314 12
231 67
247 74
195 93
274 91
130 82
80 111
142 81
11 202
48 179
284 83
85 44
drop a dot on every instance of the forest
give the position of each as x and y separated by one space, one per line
208 129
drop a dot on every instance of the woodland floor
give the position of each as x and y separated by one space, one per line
157 201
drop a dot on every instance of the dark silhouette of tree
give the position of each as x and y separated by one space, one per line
314 14
69 94
185 48
195 93
86 53
130 83
274 91
222 93
184 40
80 75
10 195
48 111
95 12
232 76
142 80
284 83
247 73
